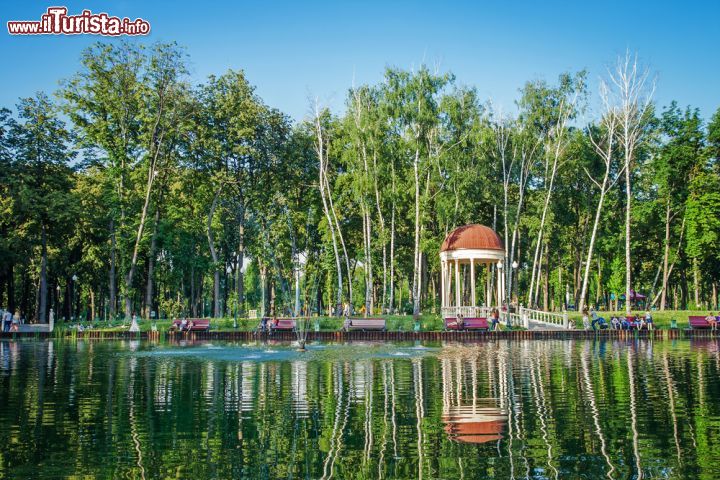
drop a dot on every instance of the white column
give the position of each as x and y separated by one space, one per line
457 283
488 301
499 287
472 282
442 283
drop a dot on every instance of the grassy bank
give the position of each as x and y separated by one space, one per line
428 322
660 319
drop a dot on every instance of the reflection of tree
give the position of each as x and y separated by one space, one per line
538 389
590 395
99 410
633 414
419 412
341 417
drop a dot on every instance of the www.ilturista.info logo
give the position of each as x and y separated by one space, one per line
57 22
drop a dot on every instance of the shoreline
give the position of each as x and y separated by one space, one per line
389 336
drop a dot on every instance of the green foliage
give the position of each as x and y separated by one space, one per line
200 199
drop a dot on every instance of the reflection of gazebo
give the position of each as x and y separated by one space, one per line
471 424
466 248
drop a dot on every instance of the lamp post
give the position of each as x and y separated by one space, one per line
72 294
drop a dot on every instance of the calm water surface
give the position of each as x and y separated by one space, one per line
537 409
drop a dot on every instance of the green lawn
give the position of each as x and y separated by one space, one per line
660 319
428 322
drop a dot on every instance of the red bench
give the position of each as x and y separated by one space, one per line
282 324
367 324
467 324
697 322
637 323
192 325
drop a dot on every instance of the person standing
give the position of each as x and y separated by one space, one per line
134 327
495 317
648 320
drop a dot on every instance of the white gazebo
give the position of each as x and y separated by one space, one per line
470 253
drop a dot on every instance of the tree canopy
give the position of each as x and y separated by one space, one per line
134 190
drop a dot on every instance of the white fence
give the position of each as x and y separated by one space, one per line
544 318
524 318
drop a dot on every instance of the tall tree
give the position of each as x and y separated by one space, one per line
631 92
42 160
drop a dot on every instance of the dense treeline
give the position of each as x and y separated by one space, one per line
135 190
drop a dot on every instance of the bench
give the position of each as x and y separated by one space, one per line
697 322
635 323
193 325
366 324
282 324
480 323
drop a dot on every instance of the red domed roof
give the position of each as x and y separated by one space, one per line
472 237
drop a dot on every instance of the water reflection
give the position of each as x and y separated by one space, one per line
615 409
467 417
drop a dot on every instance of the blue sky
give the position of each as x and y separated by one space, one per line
296 50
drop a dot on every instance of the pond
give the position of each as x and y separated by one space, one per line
503 409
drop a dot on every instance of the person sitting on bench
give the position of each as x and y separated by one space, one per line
347 324
273 325
624 323
615 322
712 321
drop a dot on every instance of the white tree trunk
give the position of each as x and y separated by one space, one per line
666 257
320 148
416 257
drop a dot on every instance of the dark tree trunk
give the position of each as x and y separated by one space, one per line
214 255
193 303
112 275
11 287
42 309
151 267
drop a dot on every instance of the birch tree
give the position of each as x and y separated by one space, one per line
605 148
322 146
562 104
630 90
165 109
413 99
